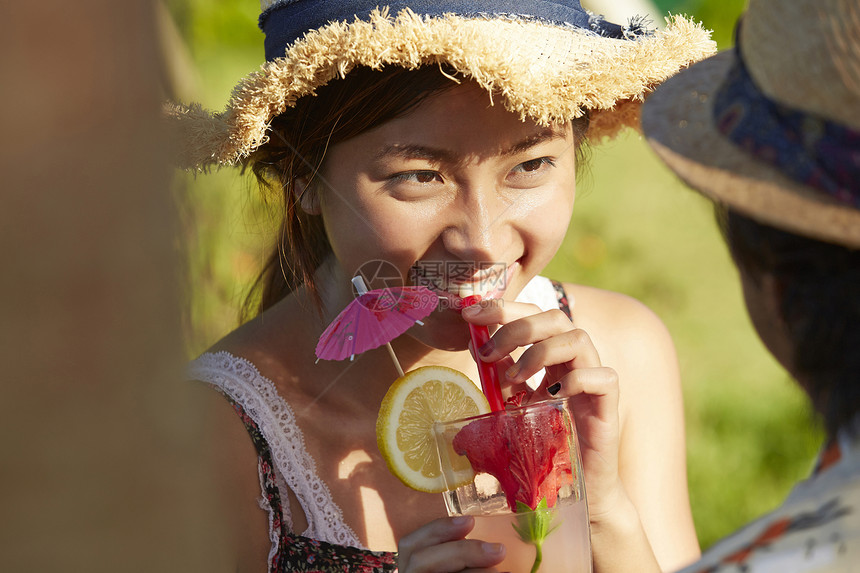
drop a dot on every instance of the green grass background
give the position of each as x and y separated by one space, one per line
635 229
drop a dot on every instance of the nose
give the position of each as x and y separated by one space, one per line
480 230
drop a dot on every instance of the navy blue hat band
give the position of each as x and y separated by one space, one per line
288 20
810 149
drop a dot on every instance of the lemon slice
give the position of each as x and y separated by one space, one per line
404 427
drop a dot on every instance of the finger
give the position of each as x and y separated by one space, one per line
501 367
572 348
601 383
465 554
522 331
492 312
438 531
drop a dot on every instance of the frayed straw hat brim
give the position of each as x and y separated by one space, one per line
677 120
545 72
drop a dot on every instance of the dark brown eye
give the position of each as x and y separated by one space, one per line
532 165
419 177
425 176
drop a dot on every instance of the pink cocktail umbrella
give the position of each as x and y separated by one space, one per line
374 318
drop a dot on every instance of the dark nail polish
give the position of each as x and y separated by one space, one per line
512 372
487 348
553 390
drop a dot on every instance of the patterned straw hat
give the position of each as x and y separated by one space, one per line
547 60
772 127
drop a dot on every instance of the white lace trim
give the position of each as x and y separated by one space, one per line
241 380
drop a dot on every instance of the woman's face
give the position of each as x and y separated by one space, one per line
458 195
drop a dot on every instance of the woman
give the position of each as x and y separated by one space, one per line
770 132
430 142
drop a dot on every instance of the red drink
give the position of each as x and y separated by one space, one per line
527 492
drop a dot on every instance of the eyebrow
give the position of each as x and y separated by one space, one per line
544 135
414 151
438 155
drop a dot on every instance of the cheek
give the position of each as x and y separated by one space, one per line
548 237
546 222
361 233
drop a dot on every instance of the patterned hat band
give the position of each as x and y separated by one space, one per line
814 151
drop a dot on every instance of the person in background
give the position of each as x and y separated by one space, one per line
770 131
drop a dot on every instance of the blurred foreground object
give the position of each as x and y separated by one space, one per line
100 469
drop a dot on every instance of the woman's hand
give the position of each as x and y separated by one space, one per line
441 547
573 369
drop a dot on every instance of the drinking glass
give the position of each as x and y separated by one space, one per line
518 472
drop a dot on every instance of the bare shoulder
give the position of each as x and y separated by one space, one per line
634 341
275 342
255 340
614 318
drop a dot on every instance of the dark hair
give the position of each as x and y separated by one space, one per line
298 140
818 289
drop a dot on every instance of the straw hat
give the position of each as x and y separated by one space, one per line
547 60
772 128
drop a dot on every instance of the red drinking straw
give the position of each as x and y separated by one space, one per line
486 370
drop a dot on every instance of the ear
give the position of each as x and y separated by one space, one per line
307 196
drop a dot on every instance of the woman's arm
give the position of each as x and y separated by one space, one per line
235 503
652 454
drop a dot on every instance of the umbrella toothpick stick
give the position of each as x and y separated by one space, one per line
394 358
361 288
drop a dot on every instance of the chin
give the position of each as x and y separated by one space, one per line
451 345
449 335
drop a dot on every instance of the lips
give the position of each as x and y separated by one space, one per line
460 281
